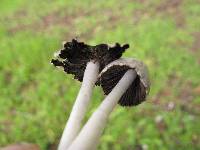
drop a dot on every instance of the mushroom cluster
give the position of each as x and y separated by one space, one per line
124 80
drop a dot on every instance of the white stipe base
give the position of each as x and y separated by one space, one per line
89 136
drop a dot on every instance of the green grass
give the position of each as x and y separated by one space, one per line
36 98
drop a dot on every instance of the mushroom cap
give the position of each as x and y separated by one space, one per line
75 55
114 71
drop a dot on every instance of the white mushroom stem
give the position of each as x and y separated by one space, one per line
80 106
89 136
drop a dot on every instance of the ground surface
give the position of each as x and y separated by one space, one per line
36 98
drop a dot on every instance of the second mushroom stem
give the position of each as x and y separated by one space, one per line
89 136
80 106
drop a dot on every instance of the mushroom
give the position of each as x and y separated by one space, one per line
113 72
126 82
84 62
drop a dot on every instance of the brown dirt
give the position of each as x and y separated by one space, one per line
145 11
186 93
142 1
195 49
196 91
7 77
169 8
196 44
18 15
163 93
169 5
22 146
5 126
56 18
52 146
45 23
173 9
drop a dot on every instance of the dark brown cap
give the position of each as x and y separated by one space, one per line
114 71
75 55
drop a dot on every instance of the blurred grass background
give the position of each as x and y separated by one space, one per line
36 98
